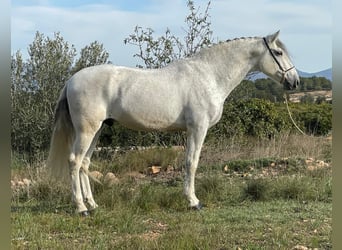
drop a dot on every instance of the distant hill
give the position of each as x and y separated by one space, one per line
324 73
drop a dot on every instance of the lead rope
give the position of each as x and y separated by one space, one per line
288 110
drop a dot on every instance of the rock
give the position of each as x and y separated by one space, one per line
26 182
322 164
178 148
96 174
135 175
309 161
170 169
299 247
154 169
20 184
110 179
311 168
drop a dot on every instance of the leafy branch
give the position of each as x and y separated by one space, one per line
160 51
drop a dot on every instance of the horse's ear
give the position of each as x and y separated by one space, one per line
272 38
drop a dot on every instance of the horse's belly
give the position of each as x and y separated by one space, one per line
149 104
150 124
139 118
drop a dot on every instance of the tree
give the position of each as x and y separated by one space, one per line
155 52
94 54
160 51
36 84
35 87
198 32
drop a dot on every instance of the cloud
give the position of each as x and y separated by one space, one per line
265 16
110 24
84 24
306 26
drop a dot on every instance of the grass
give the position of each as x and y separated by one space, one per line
278 224
267 201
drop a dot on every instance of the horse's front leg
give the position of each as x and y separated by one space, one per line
195 139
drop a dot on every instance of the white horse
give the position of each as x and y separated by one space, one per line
187 94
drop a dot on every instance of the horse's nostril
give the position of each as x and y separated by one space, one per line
296 83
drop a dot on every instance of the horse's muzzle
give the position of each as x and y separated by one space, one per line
291 85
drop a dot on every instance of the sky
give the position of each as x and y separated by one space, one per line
305 25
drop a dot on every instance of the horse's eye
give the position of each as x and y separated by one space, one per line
278 52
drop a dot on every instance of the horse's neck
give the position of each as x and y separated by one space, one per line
231 62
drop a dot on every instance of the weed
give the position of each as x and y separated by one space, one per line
240 165
256 190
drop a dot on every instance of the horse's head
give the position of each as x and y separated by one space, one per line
275 62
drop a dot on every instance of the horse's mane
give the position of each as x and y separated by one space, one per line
278 42
207 48
242 38
213 45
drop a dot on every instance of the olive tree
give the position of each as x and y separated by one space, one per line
36 84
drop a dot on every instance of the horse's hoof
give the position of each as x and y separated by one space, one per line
198 207
84 213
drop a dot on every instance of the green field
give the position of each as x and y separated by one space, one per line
274 194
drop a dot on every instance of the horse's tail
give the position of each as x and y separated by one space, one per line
61 139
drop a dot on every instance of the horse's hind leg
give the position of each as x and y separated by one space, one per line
86 189
81 145
87 194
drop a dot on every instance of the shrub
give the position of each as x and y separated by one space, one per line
256 190
154 196
314 119
211 188
251 117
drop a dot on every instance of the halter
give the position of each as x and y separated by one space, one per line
283 71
